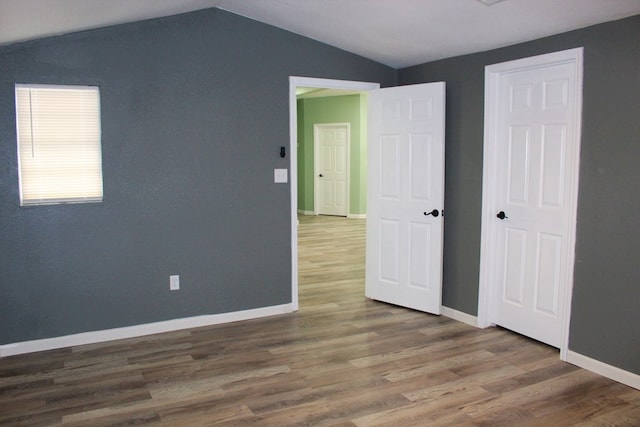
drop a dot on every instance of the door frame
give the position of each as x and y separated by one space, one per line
316 166
294 82
489 182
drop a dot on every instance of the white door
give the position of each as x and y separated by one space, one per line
531 203
405 198
331 142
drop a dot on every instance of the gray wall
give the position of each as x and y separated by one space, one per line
605 314
194 110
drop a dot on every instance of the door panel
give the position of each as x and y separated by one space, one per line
518 175
389 167
390 248
553 165
420 262
420 172
514 266
405 184
548 273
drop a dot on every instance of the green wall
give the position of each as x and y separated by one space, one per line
335 109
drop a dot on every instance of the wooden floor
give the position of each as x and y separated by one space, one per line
340 361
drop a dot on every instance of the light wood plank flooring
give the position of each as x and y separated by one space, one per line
340 361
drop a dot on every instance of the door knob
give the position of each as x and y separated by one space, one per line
502 215
433 212
320 175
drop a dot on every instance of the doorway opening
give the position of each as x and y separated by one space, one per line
321 87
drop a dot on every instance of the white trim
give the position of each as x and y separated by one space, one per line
139 330
459 316
601 368
303 212
317 127
492 75
293 158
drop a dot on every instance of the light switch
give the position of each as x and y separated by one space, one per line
280 176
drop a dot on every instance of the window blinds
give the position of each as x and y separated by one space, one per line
59 144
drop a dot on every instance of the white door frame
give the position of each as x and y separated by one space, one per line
293 158
316 166
490 166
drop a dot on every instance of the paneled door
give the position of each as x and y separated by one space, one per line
405 197
531 202
331 142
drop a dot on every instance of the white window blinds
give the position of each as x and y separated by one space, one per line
59 148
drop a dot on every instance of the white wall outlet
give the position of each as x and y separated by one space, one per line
280 176
174 282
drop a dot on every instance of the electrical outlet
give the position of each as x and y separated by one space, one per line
174 282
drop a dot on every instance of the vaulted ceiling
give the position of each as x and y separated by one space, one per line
398 33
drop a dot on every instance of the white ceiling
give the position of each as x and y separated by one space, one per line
398 33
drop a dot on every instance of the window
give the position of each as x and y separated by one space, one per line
59 153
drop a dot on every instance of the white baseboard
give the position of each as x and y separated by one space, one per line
357 216
459 316
301 212
601 368
139 330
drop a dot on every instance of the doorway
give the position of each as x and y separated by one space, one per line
306 82
530 192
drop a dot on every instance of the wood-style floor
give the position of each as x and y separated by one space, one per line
340 361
